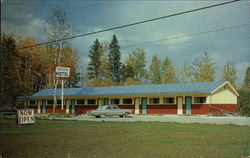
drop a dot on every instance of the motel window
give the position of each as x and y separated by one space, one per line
199 99
32 102
80 101
115 101
91 101
168 100
154 101
127 101
59 101
50 101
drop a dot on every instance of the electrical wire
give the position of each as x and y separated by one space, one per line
131 24
189 35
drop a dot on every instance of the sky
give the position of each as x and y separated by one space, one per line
26 18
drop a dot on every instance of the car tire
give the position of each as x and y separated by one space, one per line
126 114
103 115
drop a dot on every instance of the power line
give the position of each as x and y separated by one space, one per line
189 35
131 24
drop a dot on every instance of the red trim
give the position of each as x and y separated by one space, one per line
205 109
162 109
49 109
200 109
184 108
233 108
131 107
82 109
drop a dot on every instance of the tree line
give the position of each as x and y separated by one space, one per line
106 68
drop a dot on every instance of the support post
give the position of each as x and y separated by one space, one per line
62 82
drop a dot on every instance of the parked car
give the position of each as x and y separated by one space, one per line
8 110
109 110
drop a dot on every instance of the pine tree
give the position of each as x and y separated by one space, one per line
155 70
95 55
114 60
8 77
167 72
229 73
203 69
247 78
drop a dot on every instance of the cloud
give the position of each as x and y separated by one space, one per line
31 29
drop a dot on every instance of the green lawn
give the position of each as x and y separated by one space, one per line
117 140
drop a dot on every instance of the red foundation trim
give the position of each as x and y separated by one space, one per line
162 109
82 109
233 108
199 109
49 109
184 108
131 107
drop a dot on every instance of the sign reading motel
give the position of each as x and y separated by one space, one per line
62 71
25 116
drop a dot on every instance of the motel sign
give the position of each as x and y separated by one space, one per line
25 116
62 71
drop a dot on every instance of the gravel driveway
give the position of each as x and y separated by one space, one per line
235 120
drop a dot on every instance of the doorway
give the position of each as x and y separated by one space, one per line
179 105
144 105
188 105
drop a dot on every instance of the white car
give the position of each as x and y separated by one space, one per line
109 110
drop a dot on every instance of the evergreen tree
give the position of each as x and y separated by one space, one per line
229 73
247 78
167 72
7 75
95 55
155 70
114 60
203 69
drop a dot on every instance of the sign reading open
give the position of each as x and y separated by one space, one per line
25 116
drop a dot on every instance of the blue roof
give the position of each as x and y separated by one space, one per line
175 88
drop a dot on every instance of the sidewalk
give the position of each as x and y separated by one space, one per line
204 119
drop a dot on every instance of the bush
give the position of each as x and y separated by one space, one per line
244 101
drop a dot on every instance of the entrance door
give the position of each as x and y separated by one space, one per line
73 102
180 105
188 105
144 105
137 102
106 101
43 106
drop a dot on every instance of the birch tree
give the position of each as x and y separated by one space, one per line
56 30
229 73
203 69
168 74
155 70
135 63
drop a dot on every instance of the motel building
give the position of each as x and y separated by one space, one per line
198 98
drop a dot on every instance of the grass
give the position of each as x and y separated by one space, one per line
119 140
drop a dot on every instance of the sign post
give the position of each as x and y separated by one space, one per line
62 72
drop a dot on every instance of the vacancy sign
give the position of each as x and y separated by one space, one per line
25 116
62 71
